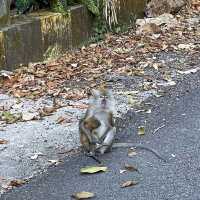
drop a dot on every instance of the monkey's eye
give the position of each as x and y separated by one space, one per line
104 97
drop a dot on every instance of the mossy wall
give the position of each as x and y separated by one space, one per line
4 12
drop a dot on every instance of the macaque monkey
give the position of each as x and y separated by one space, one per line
97 128
97 122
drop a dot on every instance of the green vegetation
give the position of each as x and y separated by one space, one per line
104 11
56 5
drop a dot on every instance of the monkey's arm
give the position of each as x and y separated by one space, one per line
108 141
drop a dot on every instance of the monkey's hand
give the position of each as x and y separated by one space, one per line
94 139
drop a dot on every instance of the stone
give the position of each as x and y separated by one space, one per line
158 7
164 19
148 29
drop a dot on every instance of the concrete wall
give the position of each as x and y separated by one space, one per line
131 9
45 35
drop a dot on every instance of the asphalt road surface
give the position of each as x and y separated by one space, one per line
178 141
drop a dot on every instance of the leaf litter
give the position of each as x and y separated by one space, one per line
120 54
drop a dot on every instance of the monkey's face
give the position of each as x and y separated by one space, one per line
101 98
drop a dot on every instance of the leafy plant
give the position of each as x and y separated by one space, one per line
105 12
59 5
23 4
92 6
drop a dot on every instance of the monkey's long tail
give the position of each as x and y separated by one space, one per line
138 146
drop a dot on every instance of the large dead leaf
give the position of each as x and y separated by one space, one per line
83 195
93 169
128 184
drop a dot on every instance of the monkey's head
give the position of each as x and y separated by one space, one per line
102 98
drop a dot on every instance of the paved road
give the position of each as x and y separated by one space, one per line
178 142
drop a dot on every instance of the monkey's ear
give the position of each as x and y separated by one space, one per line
94 92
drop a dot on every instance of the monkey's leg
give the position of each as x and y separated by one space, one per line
101 130
88 149
108 141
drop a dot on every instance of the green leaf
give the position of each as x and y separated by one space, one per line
93 169
83 195
141 130
9 117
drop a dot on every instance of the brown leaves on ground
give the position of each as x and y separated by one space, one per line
120 54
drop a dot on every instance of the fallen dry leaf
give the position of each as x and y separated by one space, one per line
2 141
128 184
46 111
16 183
132 152
83 195
62 120
130 167
93 169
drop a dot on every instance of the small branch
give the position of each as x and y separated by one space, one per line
157 129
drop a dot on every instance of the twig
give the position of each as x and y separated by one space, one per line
158 128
